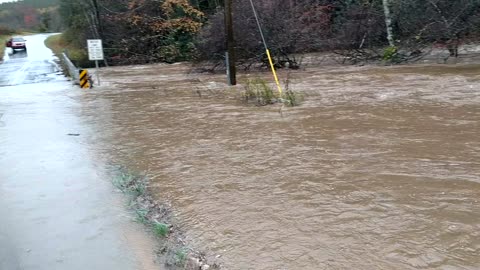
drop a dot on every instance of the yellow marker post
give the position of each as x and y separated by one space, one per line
266 48
274 73
84 83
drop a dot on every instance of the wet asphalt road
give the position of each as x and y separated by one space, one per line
58 209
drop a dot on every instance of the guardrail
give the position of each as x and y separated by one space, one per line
71 68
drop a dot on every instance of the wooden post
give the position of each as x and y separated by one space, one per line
232 74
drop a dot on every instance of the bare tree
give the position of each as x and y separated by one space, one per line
388 22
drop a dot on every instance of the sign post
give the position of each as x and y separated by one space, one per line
95 53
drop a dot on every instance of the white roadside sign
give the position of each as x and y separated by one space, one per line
95 49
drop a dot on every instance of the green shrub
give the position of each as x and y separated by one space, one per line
161 229
290 98
180 257
390 53
260 92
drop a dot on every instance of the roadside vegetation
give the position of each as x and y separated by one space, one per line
158 218
392 31
5 33
146 31
58 44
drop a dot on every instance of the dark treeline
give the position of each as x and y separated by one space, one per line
141 31
33 15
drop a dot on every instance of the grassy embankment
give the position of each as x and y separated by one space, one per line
58 44
3 39
158 217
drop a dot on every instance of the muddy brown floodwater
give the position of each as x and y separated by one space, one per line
378 169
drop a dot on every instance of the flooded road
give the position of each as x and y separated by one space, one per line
378 169
58 209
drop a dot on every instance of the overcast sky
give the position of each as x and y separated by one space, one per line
3 1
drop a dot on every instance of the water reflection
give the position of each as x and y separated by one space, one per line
14 54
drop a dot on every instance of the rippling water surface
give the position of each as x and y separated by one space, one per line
378 169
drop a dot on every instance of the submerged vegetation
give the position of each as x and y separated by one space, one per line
159 219
259 92
161 229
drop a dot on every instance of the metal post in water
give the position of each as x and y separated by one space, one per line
98 75
232 75
227 64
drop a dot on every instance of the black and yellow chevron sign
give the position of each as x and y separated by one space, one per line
84 83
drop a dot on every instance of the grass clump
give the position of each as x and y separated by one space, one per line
181 257
259 92
142 215
134 185
3 40
161 229
291 98
158 219
390 53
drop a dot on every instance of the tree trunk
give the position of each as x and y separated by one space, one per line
388 22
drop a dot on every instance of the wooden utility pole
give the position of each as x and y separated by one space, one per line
97 19
231 71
